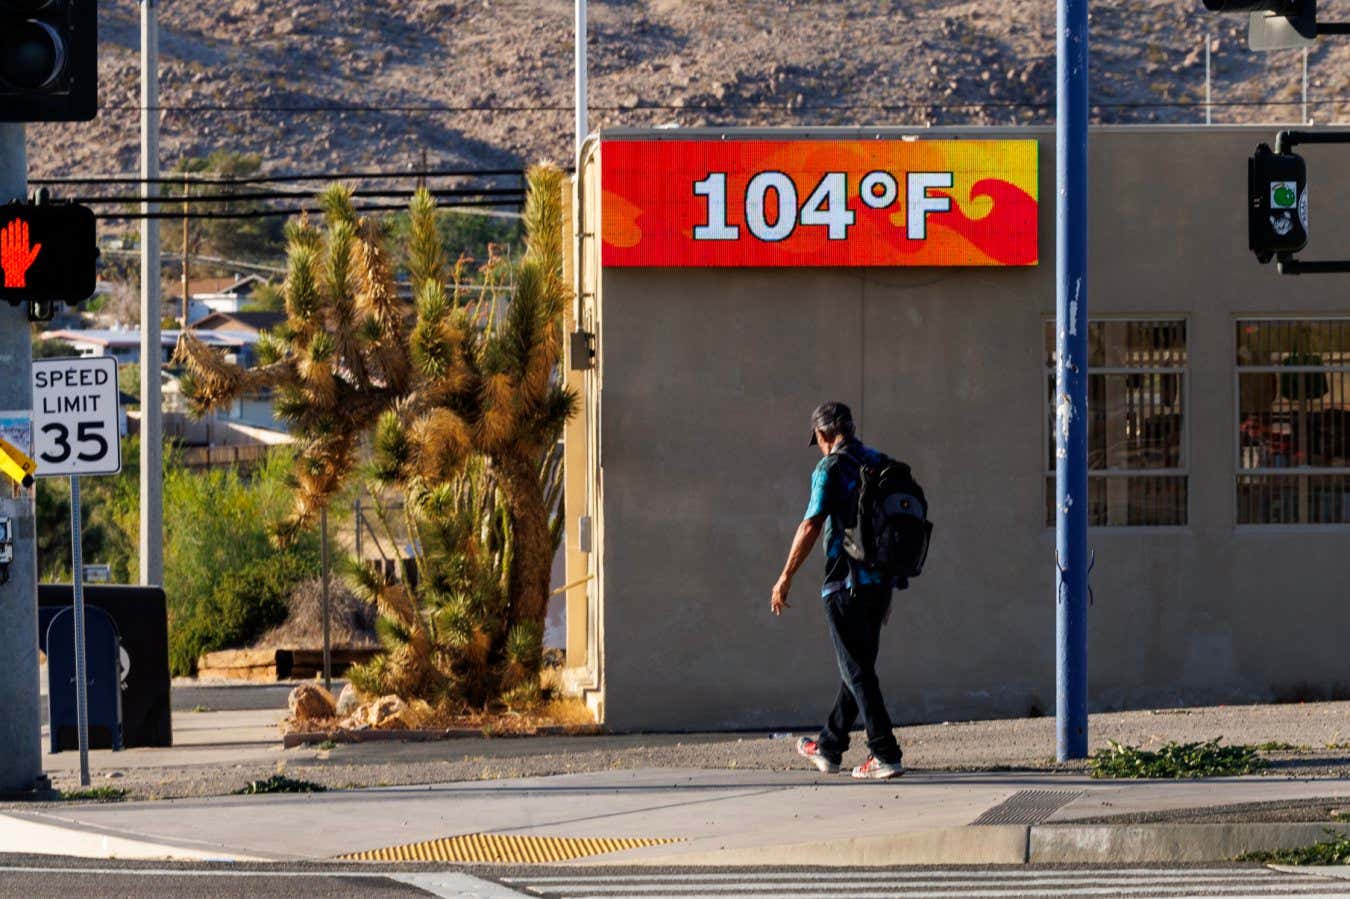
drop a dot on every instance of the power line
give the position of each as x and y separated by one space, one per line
179 200
171 256
464 205
718 106
280 179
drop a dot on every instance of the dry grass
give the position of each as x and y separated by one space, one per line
568 713
352 621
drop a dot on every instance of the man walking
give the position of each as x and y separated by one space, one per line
857 599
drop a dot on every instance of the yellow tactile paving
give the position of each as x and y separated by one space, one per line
492 847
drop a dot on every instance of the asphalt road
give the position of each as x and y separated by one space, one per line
30 876
187 696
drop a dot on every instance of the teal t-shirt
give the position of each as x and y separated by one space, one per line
834 494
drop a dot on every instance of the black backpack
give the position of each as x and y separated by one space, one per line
891 532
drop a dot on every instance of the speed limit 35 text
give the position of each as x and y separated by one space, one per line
67 378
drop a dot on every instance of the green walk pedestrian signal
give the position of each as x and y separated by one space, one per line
1277 203
48 60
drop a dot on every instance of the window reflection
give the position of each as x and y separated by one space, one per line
1293 413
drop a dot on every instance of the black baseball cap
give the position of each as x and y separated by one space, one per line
831 415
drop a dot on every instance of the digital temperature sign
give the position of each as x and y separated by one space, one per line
819 203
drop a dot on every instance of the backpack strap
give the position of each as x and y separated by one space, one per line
845 454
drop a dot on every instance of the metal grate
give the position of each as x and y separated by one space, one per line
1028 807
502 848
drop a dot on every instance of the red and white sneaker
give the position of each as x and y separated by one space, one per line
872 769
810 749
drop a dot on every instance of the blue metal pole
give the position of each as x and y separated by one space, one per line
1071 329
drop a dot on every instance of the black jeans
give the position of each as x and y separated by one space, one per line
855 618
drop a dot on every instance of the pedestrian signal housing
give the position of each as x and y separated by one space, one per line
47 252
1280 24
48 60
1277 198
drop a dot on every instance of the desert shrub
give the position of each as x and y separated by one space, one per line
1207 759
225 580
243 604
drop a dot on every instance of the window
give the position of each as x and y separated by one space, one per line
1293 421
1136 430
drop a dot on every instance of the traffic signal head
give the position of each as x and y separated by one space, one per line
1277 203
47 252
1274 24
48 60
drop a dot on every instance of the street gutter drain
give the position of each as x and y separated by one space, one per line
505 848
1028 807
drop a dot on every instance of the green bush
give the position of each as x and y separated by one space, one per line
244 604
280 783
225 580
1207 759
105 503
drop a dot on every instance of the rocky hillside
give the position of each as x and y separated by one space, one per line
324 85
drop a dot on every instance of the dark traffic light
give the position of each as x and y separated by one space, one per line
47 252
1277 203
1277 24
48 60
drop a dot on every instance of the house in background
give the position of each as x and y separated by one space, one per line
208 295
239 434
247 322
124 344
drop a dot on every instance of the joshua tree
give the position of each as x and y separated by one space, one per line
459 402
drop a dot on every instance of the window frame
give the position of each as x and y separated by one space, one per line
1235 425
1182 472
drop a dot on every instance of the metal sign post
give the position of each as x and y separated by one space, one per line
75 433
327 611
81 675
1071 344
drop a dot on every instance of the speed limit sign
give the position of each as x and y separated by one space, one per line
75 416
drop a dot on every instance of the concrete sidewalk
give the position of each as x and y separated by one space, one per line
721 798
217 752
714 817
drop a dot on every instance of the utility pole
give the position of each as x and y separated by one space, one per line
1305 119
151 544
580 35
1208 95
186 279
1071 343
20 722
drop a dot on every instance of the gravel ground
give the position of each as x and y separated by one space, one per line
1319 731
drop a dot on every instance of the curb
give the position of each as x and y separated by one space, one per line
1168 842
24 834
1003 844
1018 844
1000 844
371 735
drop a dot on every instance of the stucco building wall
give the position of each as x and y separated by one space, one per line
698 470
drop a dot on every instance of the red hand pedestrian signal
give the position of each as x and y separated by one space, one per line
15 254
48 251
